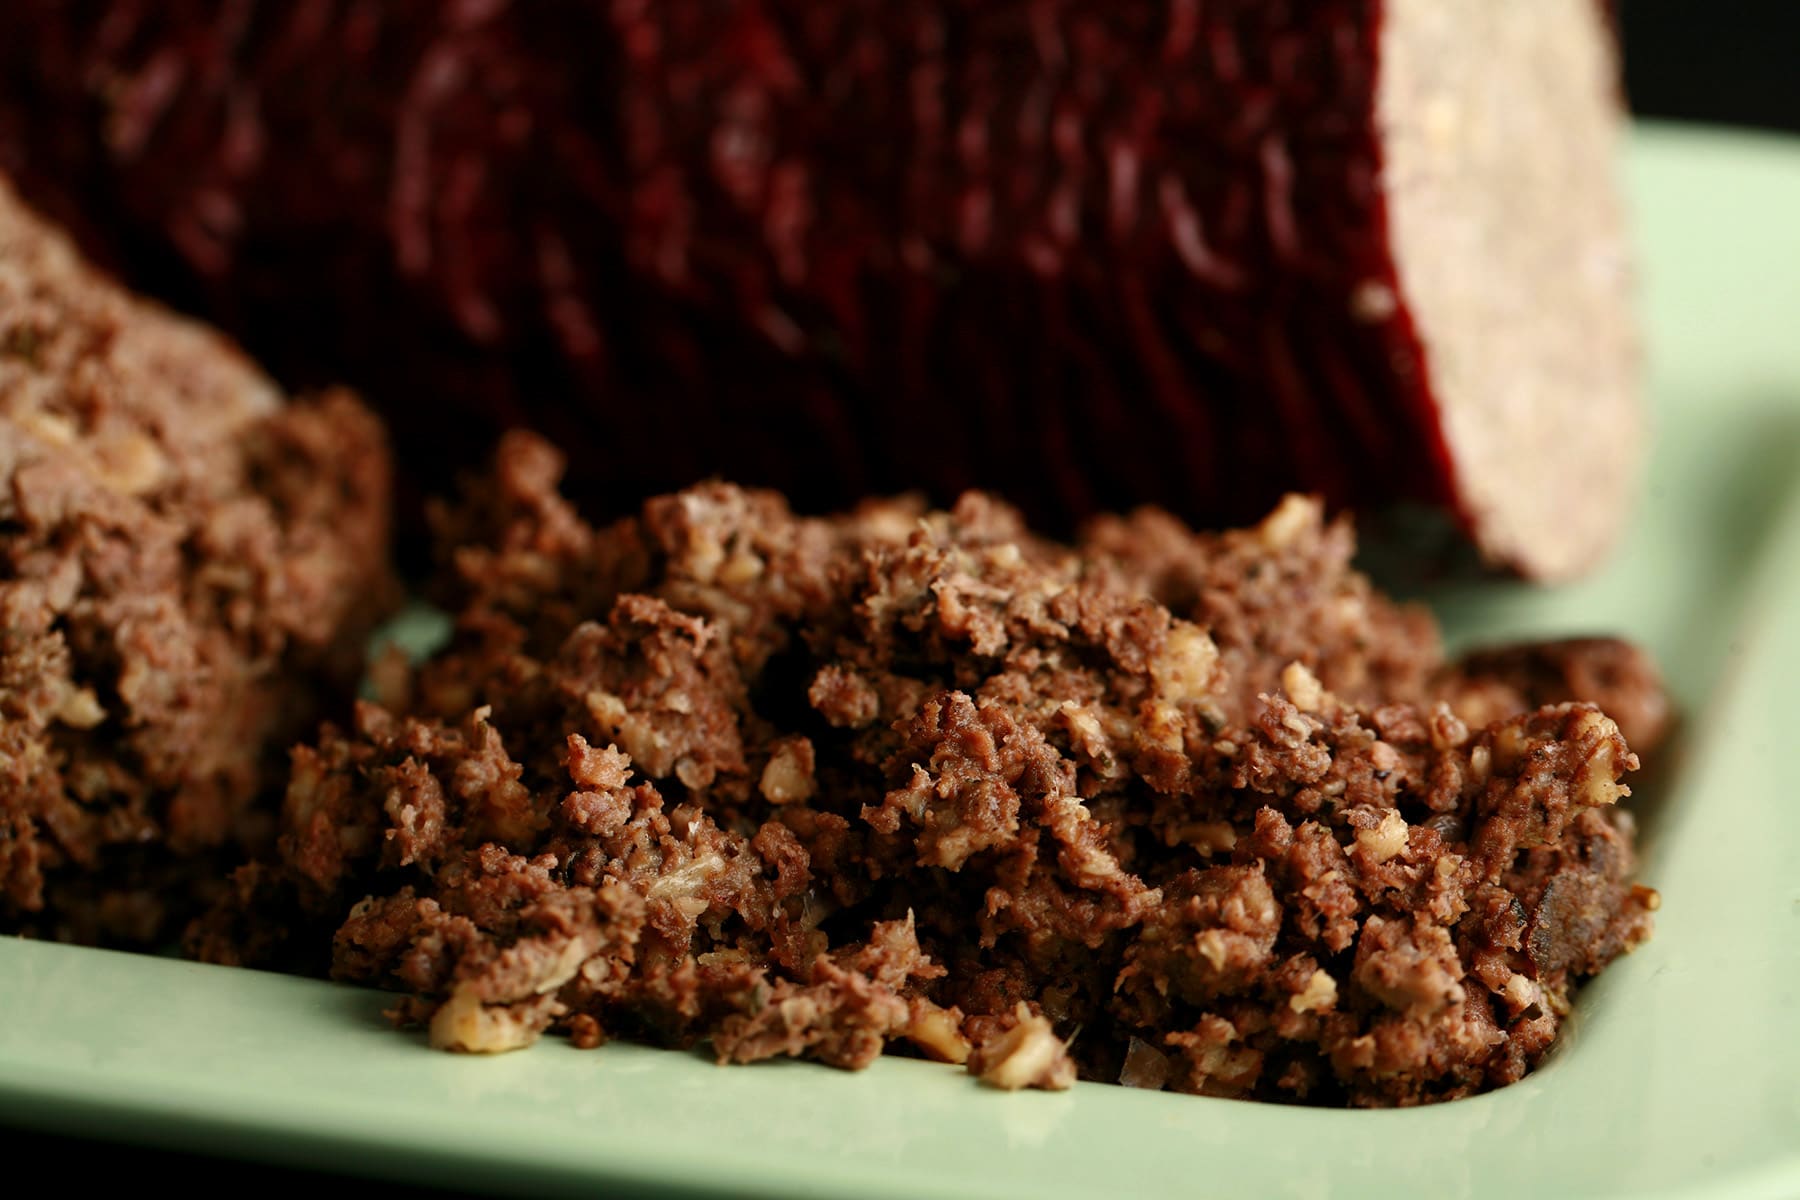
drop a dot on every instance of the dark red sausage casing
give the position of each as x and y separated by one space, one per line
1087 253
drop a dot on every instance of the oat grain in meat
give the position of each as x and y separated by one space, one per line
1204 812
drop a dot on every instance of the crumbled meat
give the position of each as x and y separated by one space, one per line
1203 812
1619 677
189 569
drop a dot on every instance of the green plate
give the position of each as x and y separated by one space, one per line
1679 1076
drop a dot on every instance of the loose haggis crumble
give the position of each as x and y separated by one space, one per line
1195 811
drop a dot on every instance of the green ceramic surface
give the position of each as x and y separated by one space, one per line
1680 1075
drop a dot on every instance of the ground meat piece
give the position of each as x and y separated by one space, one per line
1281 592
1213 1060
1535 772
645 682
499 977
1213 934
1489 685
1184 810
1409 970
189 568
853 1003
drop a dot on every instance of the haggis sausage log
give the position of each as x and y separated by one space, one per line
1088 252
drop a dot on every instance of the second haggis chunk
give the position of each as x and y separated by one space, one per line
190 565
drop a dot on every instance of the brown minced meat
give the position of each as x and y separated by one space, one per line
1191 811
189 566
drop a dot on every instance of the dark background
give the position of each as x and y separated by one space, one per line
1733 62
1728 61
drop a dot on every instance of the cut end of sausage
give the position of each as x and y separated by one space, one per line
1499 126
